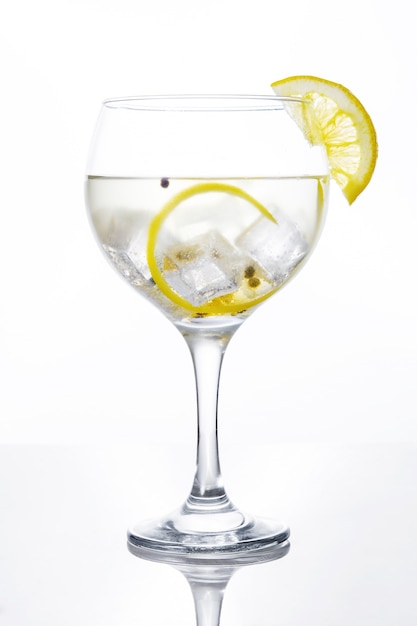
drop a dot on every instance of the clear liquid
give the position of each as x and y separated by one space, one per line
213 252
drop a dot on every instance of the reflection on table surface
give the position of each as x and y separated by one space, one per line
208 577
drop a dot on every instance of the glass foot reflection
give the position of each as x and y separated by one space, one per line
208 577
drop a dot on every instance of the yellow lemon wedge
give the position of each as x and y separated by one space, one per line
252 291
342 125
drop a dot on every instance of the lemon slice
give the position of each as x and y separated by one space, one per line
235 302
341 124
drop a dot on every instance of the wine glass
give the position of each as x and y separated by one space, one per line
207 206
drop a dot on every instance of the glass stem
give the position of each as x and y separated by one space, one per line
207 351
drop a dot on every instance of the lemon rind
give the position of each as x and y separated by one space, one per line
311 88
222 304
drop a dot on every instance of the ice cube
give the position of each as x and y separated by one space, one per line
137 253
203 268
116 230
277 247
124 265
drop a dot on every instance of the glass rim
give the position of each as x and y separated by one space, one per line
202 102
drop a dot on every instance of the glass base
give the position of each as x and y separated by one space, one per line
209 537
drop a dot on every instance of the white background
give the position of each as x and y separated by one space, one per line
332 357
84 360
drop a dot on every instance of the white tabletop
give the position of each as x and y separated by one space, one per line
352 510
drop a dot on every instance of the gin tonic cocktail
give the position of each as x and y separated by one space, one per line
207 206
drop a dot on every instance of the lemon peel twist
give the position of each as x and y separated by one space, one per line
221 305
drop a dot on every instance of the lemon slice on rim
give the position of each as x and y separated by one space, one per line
234 302
342 125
